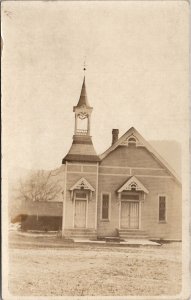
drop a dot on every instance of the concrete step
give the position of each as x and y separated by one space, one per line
132 234
136 237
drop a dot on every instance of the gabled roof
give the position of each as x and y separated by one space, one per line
82 184
133 183
83 101
132 132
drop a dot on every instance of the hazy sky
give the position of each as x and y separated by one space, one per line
137 73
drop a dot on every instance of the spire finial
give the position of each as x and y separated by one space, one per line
84 69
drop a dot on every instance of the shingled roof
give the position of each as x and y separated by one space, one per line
82 149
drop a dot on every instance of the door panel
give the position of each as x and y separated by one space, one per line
80 214
129 214
134 215
125 214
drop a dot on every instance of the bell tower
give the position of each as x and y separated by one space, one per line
82 148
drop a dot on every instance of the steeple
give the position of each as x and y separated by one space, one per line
83 101
82 113
82 148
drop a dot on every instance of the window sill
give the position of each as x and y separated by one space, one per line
162 222
105 220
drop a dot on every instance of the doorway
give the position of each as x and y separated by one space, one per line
130 214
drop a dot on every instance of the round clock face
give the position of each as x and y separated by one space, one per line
82 115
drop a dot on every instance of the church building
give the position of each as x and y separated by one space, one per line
128 191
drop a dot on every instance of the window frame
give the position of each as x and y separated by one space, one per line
109 207
165 220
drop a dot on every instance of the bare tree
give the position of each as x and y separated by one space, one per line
39 186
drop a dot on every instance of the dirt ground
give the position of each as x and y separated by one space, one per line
94 270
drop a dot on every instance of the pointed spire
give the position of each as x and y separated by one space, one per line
83 101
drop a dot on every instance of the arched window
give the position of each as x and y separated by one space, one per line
82 123
132 141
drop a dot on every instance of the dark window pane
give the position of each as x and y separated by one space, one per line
105 197
105 207
162 208
129 197
81 195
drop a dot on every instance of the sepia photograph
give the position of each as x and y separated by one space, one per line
95 150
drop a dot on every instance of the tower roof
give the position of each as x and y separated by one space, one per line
83 101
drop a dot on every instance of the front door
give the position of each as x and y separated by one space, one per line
129 214
80 214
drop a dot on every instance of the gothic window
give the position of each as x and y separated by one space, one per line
162 208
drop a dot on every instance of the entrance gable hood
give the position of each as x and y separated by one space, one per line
133 184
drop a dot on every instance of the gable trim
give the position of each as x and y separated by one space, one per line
82 184
133 182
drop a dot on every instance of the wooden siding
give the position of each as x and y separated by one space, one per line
131 157
151 172
89 169
110 170
74 168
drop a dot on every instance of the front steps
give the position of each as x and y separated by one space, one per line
80 233
91 234
127 234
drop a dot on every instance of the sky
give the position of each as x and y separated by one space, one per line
136 54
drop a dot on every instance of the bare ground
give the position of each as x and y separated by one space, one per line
95 270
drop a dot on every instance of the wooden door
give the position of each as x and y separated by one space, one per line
129 214
80 214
